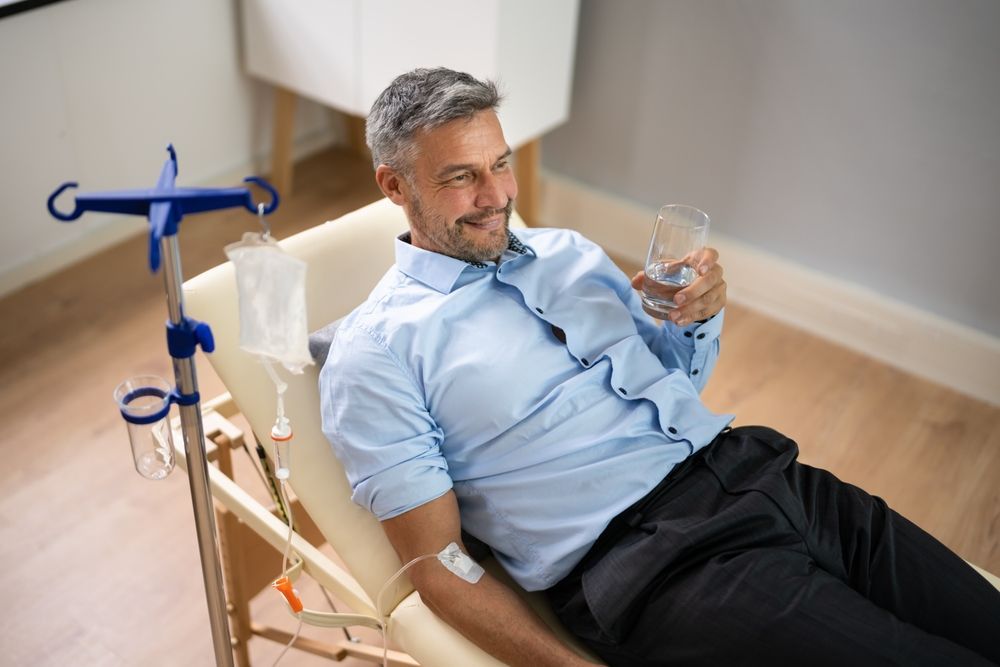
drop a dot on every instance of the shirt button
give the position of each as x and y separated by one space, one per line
700 336
688 334
672 430
694 372
584 362
540 311
622 390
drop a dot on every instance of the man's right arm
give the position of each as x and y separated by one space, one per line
369 402
488 612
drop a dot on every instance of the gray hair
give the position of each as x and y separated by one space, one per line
422 99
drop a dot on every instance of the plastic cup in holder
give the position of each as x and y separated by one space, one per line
144 402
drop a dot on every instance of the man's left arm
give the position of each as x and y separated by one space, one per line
689 340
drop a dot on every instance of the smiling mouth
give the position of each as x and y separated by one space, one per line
489 222
488 225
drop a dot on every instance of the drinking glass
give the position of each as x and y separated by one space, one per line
680 231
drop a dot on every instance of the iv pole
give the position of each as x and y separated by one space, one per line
197 466
165 205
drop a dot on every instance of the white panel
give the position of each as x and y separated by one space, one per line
143 80
308 46
399 35
537 47
33 135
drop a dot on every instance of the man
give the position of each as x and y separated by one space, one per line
509 385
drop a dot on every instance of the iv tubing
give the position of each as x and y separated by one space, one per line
286 557
279 384
288 543
288 645
384 630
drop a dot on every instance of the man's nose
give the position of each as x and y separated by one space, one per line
495 191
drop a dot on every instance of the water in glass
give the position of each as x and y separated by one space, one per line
663 280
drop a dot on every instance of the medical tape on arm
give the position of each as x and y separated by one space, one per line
461 564
452 557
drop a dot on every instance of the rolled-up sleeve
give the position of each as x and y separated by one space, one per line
378 425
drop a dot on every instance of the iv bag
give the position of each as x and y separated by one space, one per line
272 298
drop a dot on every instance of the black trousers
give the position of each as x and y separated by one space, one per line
744 556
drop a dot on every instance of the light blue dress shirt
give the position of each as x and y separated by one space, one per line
451 376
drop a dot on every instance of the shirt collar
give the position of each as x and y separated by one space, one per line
438 271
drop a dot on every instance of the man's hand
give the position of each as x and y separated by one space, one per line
703 298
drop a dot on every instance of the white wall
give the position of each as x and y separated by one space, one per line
94 90
860 138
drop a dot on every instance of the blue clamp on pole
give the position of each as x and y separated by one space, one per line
182 342
183 339
184 399
164 205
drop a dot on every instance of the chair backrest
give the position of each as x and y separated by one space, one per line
346 257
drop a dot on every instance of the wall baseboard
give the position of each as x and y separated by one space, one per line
102 234
913 340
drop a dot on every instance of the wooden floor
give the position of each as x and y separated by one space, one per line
100 567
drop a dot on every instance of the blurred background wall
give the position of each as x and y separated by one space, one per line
860 138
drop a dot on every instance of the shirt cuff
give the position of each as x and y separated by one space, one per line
698 333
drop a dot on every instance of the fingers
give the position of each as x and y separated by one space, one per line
713 302
703 260
701 285
703 308
702 299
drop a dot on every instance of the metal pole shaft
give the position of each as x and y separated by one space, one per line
197 466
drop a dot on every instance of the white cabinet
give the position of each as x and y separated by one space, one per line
343 53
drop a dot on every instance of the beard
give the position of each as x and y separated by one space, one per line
451 238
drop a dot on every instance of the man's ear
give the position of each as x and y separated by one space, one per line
391 183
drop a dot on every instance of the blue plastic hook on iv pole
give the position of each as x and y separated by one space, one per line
165 206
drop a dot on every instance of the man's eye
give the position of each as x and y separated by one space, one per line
501 165
461 178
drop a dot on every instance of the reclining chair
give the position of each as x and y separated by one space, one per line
346 257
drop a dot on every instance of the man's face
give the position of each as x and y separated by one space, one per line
461 189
